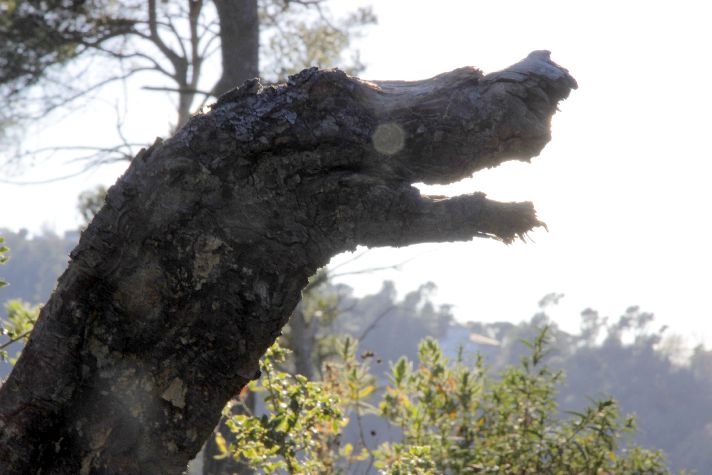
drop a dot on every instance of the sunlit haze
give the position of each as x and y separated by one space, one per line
623 186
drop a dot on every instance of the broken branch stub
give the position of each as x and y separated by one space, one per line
192 267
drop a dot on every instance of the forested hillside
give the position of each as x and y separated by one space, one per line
629 358
34 263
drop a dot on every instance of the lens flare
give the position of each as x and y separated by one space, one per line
389 138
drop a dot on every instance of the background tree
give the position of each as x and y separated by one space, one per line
647 371
57 53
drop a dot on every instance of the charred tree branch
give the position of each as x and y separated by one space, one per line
194 264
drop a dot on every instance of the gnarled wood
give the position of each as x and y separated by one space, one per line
194 264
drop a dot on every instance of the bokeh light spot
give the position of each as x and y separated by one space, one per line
389 138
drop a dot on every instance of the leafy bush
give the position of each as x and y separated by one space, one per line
20 318
453 419
3 258
16 326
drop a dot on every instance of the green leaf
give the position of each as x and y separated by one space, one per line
222 446
366 391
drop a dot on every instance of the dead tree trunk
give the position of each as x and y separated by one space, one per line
195 262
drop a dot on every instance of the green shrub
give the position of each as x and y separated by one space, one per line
453 419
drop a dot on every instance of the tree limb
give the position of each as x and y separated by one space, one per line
194 264
155 37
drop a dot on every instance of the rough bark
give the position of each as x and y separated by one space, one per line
192 267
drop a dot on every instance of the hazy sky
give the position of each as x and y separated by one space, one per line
623 186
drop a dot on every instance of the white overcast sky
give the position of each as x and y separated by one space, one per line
624 186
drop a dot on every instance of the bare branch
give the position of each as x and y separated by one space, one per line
84 170
306 3
213 26
179 63
13 340
370 269
94 87
375 322
179 90
177 36
95 156
120 130
51 103
206 52
137 54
